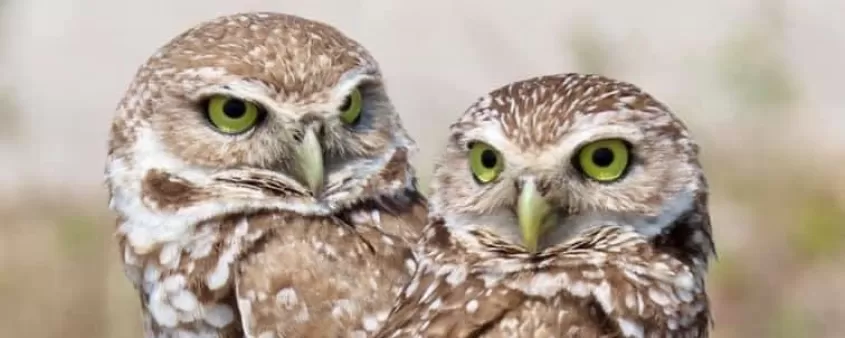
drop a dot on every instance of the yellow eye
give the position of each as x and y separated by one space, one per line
604 160
232 115
485 162
350 111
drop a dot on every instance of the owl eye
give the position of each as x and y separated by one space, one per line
604 160
232 115
485 162
350 110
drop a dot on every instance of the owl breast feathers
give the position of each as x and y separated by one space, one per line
564 205
262 183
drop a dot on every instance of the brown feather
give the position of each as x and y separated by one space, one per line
469 287
347 271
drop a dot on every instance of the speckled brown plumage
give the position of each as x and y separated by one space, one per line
224 234
625 258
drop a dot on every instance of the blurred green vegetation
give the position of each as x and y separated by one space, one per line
753 67
820 226
78 234
789 322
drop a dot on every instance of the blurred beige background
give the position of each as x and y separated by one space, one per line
758 82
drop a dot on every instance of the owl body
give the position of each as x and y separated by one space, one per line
606 282
262 183
568 205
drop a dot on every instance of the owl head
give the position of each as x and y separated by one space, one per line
537 161
250 112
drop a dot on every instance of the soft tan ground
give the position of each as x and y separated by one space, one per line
759 85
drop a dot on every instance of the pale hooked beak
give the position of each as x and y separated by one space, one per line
534 214
309 155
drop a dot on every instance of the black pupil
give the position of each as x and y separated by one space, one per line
603 157
234 109
489 159
347 103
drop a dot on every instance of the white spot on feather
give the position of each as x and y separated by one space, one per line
184 300
163 313
579 289
217 278
287 297
491 279
604 297
170 254
545 284
510 324
630 328
151 273
410 265
672 324
376 218
630 300
219 315
684 295
371 323
387 240
220 275
241 229
658 297
173 283
457 276
685 281
202 243
344 307
472 306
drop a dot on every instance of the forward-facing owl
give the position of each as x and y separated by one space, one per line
262 183
565 205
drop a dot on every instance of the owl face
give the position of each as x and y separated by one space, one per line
261 102
232 121
536 161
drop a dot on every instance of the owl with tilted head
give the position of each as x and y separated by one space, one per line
566 205
262 183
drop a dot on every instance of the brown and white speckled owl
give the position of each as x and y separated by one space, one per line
567 205
262 182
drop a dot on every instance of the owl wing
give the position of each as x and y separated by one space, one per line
621 289
632 286
328 276
442 301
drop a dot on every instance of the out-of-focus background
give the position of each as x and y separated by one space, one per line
758 82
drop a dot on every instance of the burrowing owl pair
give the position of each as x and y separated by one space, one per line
262 183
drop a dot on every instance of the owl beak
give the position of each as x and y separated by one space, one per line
310 159
534 213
